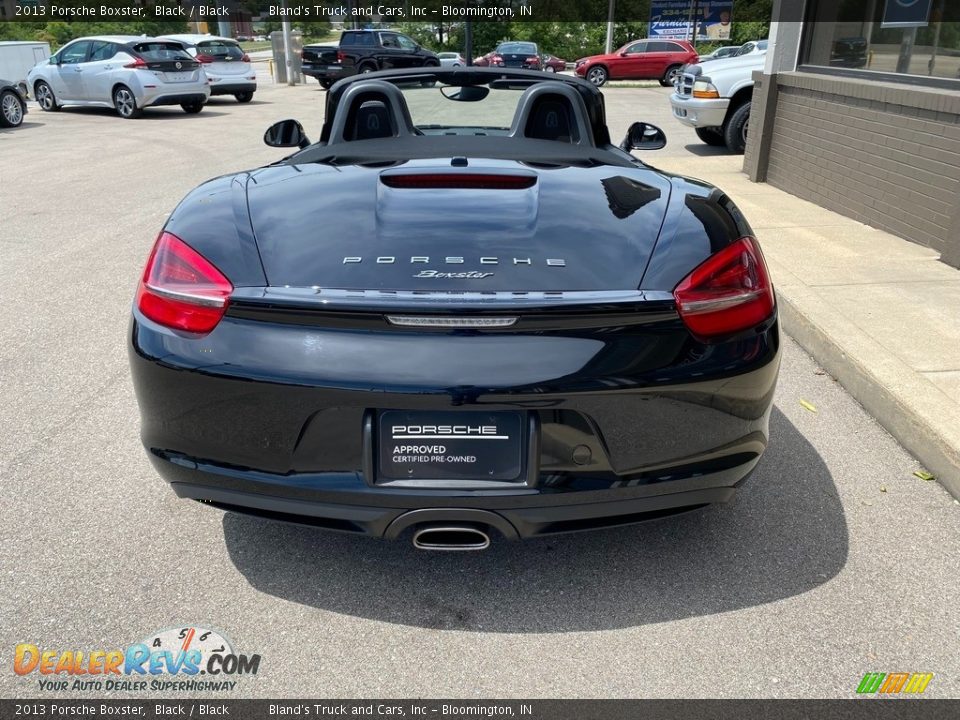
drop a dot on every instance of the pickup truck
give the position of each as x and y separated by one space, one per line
714 98
363 51
320 61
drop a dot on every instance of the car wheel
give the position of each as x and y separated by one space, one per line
735 129
11 109
711 136
195 107
670 75
364 69
326 84
125 103
597 75
244 97
45 97
550 69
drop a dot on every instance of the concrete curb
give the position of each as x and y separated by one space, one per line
916 432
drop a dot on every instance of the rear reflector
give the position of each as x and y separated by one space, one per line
450 322
181 289
727 293
470 181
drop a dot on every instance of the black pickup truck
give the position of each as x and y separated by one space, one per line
362 51
320 61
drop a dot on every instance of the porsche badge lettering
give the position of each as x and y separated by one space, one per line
454 260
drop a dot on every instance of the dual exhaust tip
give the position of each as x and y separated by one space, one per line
451 538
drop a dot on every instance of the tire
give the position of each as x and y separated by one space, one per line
429 83
550 69
125 103
11 109
45 97
735 129
597 75
366 68
244 97
711 136
670 75
195 107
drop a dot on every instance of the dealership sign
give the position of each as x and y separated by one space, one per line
675 19
906 13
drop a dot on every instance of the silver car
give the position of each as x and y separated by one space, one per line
451 59
128 73
227 66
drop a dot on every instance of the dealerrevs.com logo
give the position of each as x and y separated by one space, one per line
878 683
190 659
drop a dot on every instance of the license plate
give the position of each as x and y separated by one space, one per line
465 445
177 77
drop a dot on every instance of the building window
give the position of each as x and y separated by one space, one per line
916 42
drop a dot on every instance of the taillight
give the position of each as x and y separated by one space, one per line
496 60
729 292
181 289
137 64
341 56
205 59
246 58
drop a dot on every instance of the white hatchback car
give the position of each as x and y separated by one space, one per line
128 73
226 64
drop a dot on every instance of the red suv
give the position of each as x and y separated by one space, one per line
639 60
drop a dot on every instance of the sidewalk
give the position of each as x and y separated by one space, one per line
879 313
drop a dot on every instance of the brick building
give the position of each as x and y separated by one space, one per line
858 110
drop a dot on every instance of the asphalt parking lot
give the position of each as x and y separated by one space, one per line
835 560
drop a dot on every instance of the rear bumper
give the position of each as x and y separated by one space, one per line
514 516
231 87
322 72
178 99
277 420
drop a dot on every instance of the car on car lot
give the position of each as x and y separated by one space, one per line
226 65
13 104
127 73
515 54
451 59
551 63
639 60
363 51
720 53
715 98
401 327
320 62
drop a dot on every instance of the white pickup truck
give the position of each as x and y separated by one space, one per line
714 97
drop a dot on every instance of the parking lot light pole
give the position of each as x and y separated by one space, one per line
610 9
287 51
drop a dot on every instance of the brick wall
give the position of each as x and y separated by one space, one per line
885 154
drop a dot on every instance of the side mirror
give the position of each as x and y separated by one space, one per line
54 60
286 133
643 136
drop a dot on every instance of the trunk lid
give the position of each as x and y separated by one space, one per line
541 230
319 54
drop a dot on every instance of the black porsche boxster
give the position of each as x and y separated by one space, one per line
461 314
